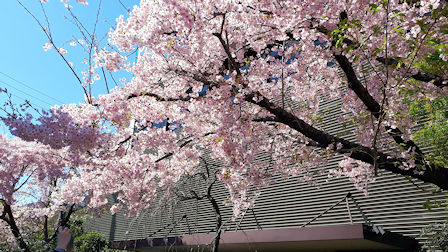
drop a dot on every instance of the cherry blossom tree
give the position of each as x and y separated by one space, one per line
33 173
29 174
241 78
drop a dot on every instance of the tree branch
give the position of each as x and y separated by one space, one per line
194 76
420 76
427 77
158 97
3 216
8 217
355 151
374 107
63 220
234 65
322 29
266 119
46 229
26 180
50 38
167 155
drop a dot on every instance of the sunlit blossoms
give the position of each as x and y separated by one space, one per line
243 79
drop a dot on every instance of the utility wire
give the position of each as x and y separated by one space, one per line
26 93
10 77
25 100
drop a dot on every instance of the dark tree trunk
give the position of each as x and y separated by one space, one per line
218 223
8 217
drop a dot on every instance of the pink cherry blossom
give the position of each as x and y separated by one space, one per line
247 83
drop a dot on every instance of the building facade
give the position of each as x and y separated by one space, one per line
288 215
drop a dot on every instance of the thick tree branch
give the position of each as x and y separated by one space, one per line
266 119
420 76
46 229
374 107
67 216
355 84
427 77
356 151
158 97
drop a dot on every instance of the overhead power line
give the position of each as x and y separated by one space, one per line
26 100
26 93
35 90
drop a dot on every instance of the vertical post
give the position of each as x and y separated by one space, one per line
256 221
348 210
188 224
366 220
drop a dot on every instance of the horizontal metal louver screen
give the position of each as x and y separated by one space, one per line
394 202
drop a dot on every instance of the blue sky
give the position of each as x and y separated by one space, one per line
44 78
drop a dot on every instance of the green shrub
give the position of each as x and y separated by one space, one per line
90 242
437 237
